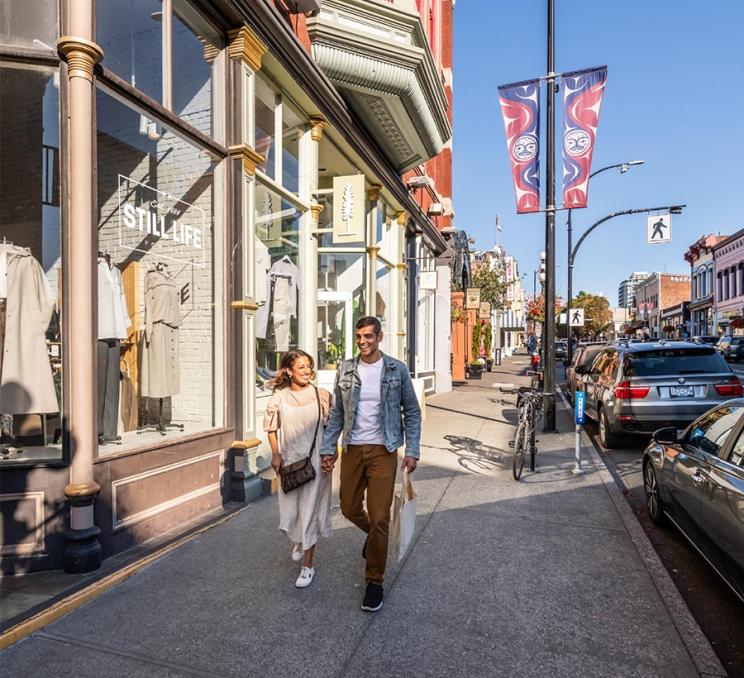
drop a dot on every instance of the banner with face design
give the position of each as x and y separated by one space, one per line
520 106
582 98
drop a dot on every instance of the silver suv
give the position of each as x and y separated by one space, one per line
638 388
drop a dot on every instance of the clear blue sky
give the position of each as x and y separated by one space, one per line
674 98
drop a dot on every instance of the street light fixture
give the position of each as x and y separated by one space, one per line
623 167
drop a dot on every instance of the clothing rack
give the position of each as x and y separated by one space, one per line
161 426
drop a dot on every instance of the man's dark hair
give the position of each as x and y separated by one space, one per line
368 320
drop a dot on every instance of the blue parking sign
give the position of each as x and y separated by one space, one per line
579 403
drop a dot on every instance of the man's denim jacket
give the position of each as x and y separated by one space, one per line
399 407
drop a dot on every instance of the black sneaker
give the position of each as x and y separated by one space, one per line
372 597
364 549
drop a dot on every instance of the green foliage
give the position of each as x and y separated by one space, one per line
476 342
597 314
487 339
491 283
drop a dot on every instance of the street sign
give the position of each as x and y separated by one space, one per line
428 280
472 298
484 312
577 317
659 229
579 409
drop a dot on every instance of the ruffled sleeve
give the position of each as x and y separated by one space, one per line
325 404
271 418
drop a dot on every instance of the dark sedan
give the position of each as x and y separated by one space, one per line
582 360
696 481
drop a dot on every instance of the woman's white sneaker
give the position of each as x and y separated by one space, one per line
297 553
305 578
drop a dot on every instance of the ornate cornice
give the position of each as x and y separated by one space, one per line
317 125
81 56
244 44
251 159
210 51
401 217
315 210
373 192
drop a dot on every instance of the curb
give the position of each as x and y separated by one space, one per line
99 587
698 647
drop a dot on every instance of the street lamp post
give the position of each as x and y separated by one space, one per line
623 167
672 209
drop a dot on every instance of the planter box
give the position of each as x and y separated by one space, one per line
475 371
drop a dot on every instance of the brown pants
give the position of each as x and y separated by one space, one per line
371 468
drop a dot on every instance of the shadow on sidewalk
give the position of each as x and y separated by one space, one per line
473 455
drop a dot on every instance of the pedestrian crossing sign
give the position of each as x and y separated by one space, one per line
577 317
659 229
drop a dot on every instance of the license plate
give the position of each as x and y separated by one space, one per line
682 391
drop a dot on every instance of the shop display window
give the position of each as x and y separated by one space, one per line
30 265
130 32
277 223
340 305
383 303
29 24
158 342
425 314
265 117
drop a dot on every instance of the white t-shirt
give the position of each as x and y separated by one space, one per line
367 429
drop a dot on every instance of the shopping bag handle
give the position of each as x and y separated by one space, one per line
408 485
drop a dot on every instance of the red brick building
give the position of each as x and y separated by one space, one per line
656 293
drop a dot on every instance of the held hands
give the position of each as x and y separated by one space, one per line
409 463
327 463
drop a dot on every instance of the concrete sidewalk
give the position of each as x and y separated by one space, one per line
545 577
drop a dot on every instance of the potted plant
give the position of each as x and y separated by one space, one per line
475 369
331 356
487 345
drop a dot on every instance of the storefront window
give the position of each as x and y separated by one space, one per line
265 116
340 305
29 24
425 314
192 88
383 303
277 281
130 34
157 274
291 133
30 265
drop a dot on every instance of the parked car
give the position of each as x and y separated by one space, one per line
696 482
706 339
638 388
580 364
732 348
561 349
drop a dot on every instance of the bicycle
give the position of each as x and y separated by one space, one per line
529 410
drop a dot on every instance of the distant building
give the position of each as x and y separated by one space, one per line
626 292
728 256
702 290
657 292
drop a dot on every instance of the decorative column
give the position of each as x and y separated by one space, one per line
401 219
372 249
82 548
245 52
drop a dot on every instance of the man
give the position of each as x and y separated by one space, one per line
373 403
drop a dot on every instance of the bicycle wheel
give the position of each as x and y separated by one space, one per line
521 441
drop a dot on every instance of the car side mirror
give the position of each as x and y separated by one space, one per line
666 436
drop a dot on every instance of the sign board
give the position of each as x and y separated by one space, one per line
484 312
577 317
579 406
349 208
659 229
472 298
428 280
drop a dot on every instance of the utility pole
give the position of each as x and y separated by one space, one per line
549 329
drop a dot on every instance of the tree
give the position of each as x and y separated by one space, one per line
491 283
597 314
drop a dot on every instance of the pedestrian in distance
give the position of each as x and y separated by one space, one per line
295 417
374 404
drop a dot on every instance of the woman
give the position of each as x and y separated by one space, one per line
295 414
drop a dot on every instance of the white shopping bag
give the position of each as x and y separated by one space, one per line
404 515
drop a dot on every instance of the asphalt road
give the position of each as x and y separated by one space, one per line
711 602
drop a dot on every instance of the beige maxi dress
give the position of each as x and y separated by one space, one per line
304 513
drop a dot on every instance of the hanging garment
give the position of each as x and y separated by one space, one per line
263 264
113 318
283 268
281 312
128 400
26 383
109 354
160 368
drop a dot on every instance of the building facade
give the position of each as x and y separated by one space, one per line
657 292
626 290
231 204
702 284
728 256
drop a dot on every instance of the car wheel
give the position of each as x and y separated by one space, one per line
609 439
653 497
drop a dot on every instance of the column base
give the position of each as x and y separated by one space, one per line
82 548
245 488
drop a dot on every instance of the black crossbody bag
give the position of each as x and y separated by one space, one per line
300 472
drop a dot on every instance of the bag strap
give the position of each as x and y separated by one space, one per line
317 425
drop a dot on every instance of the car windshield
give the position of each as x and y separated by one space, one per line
664 361
589 355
